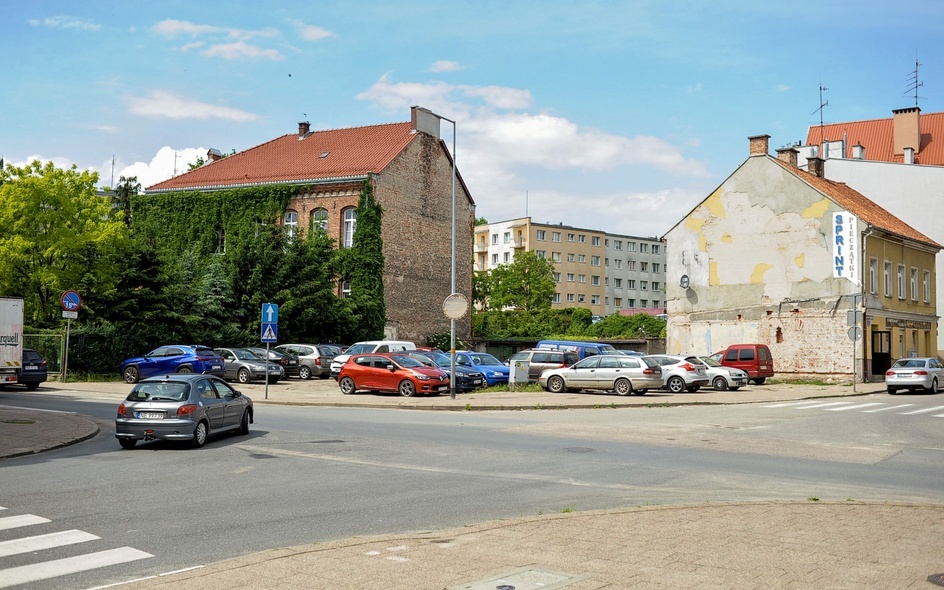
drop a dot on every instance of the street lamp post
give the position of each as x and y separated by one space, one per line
452 321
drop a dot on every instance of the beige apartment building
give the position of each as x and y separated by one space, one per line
606 273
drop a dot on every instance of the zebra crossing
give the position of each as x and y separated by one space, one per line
864 407
14 550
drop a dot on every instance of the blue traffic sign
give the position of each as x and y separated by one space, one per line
270 313
71 301
270 332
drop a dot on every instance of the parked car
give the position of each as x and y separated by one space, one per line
495 371
616 372
181 407
921 373
243 365
467 378
288 362
33 370
313 360
630 352
369 346
540 359
176 358
680 375
721 377
583 349
336 349
391 372
755 359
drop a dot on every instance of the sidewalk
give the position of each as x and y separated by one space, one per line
722 545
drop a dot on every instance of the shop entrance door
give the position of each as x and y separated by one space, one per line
881 352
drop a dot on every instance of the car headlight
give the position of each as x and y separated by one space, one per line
421 376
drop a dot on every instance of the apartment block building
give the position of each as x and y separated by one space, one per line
606 273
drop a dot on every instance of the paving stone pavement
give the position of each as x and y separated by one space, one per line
757 545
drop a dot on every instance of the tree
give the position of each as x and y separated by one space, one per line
481 289
56 234
481 221
126 189
527 283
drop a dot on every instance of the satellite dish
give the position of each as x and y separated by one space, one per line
684 282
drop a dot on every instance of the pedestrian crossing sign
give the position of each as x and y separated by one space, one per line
270 332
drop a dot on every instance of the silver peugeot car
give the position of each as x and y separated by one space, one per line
183 407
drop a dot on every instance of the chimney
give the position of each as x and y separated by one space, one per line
858 152
788 155
759 144
815 166
425 120
906 129
303 129
908 157
214 154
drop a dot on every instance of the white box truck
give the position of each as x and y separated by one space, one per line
11 339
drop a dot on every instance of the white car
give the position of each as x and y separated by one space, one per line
680 375
721 377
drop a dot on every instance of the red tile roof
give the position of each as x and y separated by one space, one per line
321 155
859 205
877 137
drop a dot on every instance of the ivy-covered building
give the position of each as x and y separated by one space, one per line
410 170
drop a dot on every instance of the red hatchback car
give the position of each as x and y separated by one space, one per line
391 372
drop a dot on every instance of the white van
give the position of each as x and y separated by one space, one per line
368 346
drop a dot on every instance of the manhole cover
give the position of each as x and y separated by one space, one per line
578 449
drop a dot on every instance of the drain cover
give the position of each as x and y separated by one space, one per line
578 449
524 579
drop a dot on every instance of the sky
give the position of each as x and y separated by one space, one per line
605 115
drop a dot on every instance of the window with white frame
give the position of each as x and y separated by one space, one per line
618 263
606 301
506 237
581 278
494 239
570 277
630 303
630 246
555 256
901 281
541 254
556 298
582 239
594 300
643 303
617 283
630 284
617 244
494 259
555 236
606 281
571 237
345 289
914 284
888 278
349 220
570 297
655 267
291 223
631 265
926 285
507 257
571 257
655 250
643 285
595 241
873 275
319 220
541 235
595 260
655 303
618 301
655 285
556 277
582 258
643 267
643 249
595 280
581 298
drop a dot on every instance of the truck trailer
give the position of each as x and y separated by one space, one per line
11 339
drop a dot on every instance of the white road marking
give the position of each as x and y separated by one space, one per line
855 407
826 405
923 411
888 408
70 565
40 542
788 404
12 522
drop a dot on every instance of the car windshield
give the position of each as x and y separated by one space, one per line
245 355
359 349
910 363
174 391
482 358
407 361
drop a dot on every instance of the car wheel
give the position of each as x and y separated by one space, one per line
720 383
623 387
892 391
675 384
244 424
243 375
127 443
407 389
555 384
185 370
347 385
304 373
933 388
131 374
200 435
640 391
759 380
31 386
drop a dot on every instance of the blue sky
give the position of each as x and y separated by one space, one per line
609 115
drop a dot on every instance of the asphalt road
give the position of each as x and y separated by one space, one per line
306 474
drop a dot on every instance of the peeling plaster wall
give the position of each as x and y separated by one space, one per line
759 257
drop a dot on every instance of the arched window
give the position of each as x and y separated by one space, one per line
346 289
350 224
291 223
319 220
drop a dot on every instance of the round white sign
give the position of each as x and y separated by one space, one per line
455 306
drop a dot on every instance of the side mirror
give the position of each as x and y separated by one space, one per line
237 394
393 368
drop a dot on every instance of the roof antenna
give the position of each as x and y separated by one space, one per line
913 83
822 104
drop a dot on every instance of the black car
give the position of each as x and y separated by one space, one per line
34 369
289 362
467 378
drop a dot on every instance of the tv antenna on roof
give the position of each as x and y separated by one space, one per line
822 105
913 83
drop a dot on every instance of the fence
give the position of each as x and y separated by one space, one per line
50 346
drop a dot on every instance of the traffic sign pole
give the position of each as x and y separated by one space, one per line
270 333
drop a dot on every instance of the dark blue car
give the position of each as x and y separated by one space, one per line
176 358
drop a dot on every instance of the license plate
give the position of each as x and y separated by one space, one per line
151 415
763 367
442 388
217 366
476 382
31 367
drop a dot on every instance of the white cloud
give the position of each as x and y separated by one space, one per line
161 103
161 167
59 162
782 88
694 88
445 66
172 28
66 22
242 50
311 32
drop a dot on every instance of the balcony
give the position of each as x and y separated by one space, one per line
521 242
